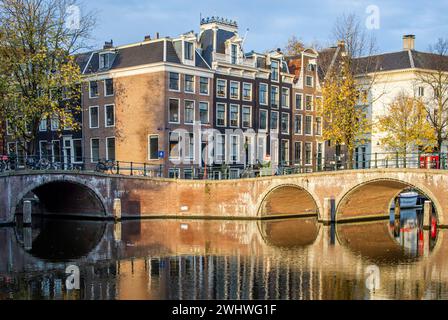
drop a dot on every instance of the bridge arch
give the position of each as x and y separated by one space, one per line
64 195
287 200
374 197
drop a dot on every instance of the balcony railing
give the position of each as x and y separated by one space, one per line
227 58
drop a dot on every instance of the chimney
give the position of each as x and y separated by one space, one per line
409 42
157 35
108 45
147 38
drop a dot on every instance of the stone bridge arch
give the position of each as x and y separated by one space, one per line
373 198
64 194
287 200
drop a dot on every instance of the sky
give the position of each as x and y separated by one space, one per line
271 23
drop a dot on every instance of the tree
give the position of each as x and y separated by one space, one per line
39 78
406 126
435 76
348 74
294 47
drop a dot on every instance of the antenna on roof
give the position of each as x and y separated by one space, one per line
242 42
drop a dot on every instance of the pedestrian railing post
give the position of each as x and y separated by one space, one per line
376 160
132 168
397 160
118 167
144 169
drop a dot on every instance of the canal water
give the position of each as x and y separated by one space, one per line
204 259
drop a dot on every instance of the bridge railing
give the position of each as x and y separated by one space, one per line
226 171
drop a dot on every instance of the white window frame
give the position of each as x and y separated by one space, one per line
208 112
278 97
208 87
179 141
185 113
312 81
90 118
267 120
238 145
178 110
312 129
105 115
149 146
289 123
278 122
301 124
239 90
288 106
44 120
301 152
230 115
288 154
185 82
262 157
266 96
251 91
225 89
90 90
304 152
74 155
301 101
278 71
56 128
312 102
221 158
91 149
192 51
178 82
321 126
225 114
250 116
105 90
40 147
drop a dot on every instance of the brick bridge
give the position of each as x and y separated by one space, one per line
358 194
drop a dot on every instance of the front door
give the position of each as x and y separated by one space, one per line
67 151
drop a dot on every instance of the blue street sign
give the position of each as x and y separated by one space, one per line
161 154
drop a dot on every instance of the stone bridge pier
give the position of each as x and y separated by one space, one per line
357 195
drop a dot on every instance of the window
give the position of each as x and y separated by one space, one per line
109 87
188 51
308 153
299 99
247 117
274 97
77 151
298 152
221 88
174 111
274 120
189 111
9 130
319 126
204 113
309 81
319 103
263 94
421 91
106 60
309 125
234 54
188 174
234 115
274 70
174 173
263 119
234 90
309 103
285 97
311 67
247 91
43 149
284 152
174 145
189 146
94 150
261 148
203 85
221 114
298 124
234 148
93 89
285 123
153 147
110 115
189 83
54 122
220 148
93 117
43 125
56 151
174 81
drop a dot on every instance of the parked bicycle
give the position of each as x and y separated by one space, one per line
105 166
4 163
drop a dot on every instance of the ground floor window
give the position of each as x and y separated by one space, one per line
234 173
308 153
110 148
77 150
153 147
174 173
94 150
188 174
285 152
298 152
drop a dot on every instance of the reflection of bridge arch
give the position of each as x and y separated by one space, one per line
68 195
287 200
374 198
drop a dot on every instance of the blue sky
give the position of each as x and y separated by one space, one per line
270 23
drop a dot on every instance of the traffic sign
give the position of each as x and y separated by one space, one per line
161 154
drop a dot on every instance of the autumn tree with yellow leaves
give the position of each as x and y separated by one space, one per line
39 78
406 126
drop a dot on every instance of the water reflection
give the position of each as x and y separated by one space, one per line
194 259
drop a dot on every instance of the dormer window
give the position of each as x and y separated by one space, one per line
105 60
274 70
234 54
311 67
188 51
